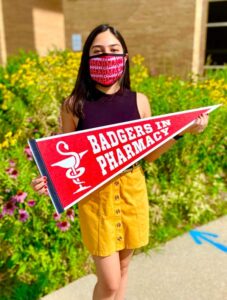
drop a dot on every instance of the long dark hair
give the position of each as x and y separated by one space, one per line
84 86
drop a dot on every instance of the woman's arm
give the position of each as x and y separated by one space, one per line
145 112
68 121
68 124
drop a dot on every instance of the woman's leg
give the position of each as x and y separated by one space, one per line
125 256
108 273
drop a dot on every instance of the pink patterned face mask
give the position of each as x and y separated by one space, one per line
106 69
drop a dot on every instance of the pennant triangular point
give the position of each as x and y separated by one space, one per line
79 163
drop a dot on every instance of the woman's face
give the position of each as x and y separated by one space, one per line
105 42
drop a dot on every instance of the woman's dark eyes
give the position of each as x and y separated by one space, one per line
100 51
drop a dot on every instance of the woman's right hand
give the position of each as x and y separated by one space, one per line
39 185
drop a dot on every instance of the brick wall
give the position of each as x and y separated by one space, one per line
33 25
161 30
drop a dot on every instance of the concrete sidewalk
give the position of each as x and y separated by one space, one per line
179 270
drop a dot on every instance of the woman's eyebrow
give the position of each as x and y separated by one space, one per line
100 46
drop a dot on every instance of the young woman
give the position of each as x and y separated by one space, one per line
115 219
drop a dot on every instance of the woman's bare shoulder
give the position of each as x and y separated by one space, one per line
69 121
143 105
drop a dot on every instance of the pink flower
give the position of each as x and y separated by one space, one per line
9 208
29 119
31 202
56 216
23 215
12 163
9 170
1 215
28 153
70 214
13 199
20 196
13 173
63 226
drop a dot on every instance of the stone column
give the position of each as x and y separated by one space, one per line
200 32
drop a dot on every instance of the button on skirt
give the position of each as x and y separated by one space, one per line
116 216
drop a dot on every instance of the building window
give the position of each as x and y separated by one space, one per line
216 42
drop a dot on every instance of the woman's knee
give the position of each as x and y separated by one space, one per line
108 272
110 287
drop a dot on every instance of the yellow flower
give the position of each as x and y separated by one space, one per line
8 134
13 142
5 144
19 132
4 106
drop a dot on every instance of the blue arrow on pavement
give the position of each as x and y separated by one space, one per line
198 236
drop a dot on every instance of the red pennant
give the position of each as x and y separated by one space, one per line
78 163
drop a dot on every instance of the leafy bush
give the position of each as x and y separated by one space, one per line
41 251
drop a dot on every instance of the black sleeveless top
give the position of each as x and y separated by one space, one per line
106 109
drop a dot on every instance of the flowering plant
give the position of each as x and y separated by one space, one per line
185 186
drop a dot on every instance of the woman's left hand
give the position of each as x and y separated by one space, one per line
200 124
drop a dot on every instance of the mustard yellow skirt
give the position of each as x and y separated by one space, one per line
116 216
